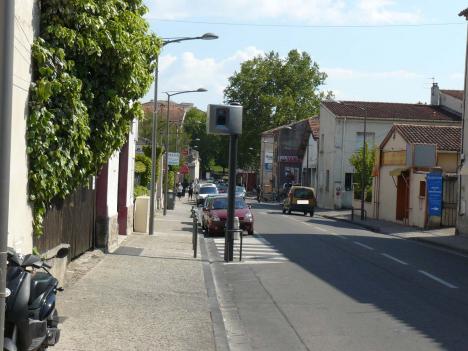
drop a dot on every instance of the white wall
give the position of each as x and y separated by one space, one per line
326 157
451 103
20 214
113 185
341 137
131 162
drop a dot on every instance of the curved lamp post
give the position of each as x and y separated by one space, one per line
169 94
206 36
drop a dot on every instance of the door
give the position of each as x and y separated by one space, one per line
402 197
449 201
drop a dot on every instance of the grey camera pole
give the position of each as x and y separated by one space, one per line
229 237
7 15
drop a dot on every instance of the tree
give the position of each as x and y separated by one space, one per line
212 148
93 60
356 161
274 91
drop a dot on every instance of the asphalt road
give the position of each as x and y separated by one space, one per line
317 284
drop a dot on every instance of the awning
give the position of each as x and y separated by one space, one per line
397 171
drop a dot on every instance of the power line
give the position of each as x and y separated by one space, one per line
318 26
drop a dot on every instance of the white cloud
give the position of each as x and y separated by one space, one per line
166 61
193 72
334 12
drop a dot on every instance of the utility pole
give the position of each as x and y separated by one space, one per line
7 15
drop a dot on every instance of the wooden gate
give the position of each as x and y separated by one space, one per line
70 222
449 201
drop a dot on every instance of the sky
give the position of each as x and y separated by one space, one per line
371 50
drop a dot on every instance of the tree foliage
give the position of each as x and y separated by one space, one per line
274 91
213 148
92 61
357 161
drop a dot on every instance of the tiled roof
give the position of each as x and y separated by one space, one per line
176 112
285 126
447 138
464 13
314 124
388 110
457 94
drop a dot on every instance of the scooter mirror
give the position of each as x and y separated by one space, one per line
63 252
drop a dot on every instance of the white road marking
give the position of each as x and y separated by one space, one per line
255 250
363 245
441 281
321 229
394 259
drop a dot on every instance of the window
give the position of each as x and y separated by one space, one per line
422 188
327 181
370 140
348 181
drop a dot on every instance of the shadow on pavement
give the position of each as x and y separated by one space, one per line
438 313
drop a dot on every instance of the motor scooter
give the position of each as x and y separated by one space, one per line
31 319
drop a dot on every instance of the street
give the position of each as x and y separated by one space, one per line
318 284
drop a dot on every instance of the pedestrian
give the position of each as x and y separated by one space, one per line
190 192
179 191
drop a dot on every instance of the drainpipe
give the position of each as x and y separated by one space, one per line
7 15
343 132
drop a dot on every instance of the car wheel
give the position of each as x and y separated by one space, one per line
312 213
284 211
289 211
305 213
250 232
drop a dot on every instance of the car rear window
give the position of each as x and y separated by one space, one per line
302 193
208 190
222 204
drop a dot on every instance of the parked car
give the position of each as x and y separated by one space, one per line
240 192
202 210
216 214
300 199
204 191
222 188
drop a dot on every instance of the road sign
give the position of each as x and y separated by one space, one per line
173 158
434 194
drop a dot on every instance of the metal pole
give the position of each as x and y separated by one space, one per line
7 15
363 177
166 176
154 146
229 238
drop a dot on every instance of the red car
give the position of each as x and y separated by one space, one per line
216 214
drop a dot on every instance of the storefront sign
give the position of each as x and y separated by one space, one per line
292 159
434 194
173 158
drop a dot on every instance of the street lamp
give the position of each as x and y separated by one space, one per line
206 36
364 165
169 94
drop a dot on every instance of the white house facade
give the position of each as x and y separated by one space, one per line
342 133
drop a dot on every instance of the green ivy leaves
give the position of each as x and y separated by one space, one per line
93 61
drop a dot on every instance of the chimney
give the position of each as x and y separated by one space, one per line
435 94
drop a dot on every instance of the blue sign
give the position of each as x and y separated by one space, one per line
434 194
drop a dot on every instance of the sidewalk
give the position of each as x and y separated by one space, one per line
149 294
444 237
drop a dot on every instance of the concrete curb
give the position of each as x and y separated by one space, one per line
420 239
219 329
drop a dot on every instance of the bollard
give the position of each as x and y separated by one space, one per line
236 228
195 232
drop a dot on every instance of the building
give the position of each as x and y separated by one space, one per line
342 134
177 111
310 154
462 220
282 152
406 156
